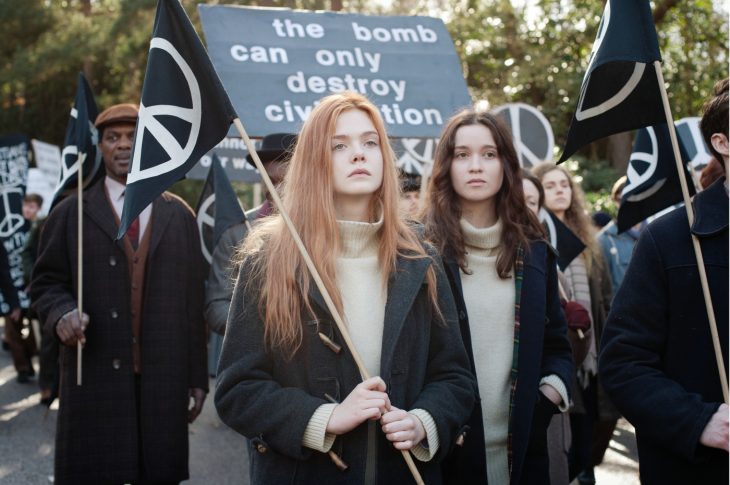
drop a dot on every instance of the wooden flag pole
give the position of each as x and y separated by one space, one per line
80 262
695 241
315 275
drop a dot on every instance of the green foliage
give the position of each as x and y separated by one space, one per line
512 51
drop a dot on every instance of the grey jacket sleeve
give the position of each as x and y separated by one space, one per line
221 278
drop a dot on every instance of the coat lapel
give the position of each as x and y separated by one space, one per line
96 206
403 286
161 215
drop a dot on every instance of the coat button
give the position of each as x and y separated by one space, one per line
112 261
116 364
260 445
134 286
113 313
462 315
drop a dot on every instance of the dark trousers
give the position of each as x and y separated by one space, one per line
21 348
143 479
48 376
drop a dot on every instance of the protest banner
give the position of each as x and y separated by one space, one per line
688 130
13 228
43 179
276 63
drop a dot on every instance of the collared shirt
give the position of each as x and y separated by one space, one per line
116 195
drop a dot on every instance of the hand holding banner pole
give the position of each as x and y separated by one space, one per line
315 276
695 241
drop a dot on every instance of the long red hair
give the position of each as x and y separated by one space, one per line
307 193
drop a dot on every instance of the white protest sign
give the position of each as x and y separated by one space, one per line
44 178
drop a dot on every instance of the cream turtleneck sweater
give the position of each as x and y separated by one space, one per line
360 281
490 304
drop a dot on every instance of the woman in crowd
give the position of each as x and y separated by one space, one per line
593 417
503 276
286 378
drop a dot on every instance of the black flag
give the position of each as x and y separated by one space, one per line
184 112
569 245
80 143
652 181
218 208
620 90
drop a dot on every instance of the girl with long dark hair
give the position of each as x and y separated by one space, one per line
503 276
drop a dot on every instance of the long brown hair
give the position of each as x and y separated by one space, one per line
576 216
307 194
443 211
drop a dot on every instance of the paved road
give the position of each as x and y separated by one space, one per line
217 454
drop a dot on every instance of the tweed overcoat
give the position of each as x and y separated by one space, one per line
97 439
270 398
543 350
657 363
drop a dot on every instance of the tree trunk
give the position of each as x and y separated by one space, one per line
618 150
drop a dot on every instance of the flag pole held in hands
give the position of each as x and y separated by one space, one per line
695 242
315 276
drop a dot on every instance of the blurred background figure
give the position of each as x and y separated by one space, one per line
593 417
617 248
711 172
32 203
275 151
410 197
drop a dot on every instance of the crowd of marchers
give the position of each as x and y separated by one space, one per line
438 323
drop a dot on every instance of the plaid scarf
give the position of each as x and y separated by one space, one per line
519 270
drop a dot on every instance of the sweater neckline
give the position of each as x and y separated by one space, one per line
482 237
359 239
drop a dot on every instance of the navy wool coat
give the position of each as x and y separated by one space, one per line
97 439
544 349
270 398
657 362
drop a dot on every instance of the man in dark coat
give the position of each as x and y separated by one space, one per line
658 364
142 326
275 151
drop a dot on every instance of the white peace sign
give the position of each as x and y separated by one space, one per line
147 121
528 158
635 179
12 221
413 162
623 93
545 218
205 219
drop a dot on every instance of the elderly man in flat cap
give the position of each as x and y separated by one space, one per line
142 327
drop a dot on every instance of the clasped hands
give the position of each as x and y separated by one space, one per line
369 401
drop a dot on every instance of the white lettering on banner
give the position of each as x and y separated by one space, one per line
299 83
396 34
345 58
293 29
392 114
256 53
